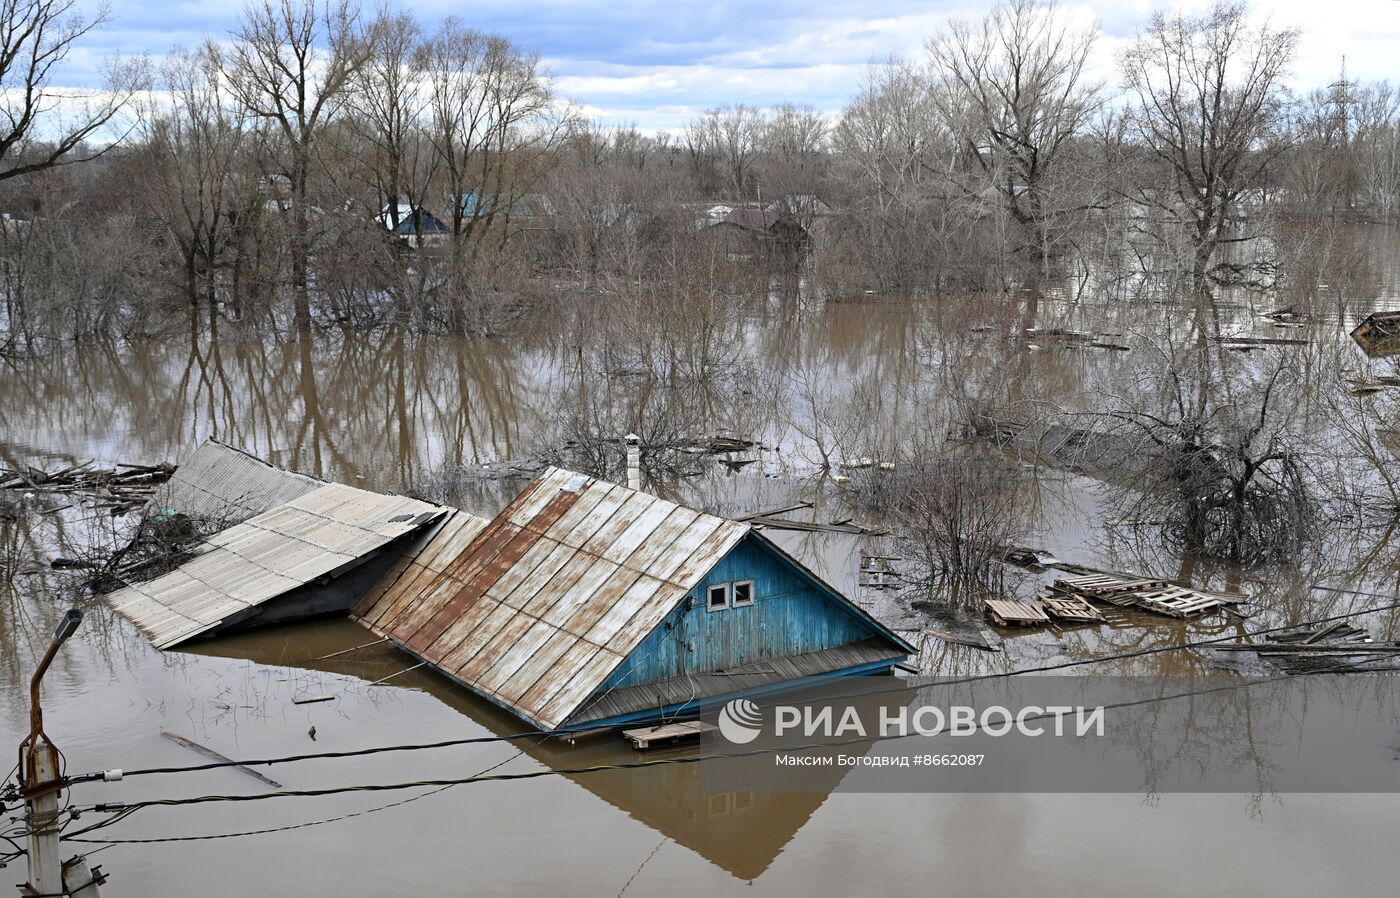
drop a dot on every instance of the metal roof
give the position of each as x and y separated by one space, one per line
544 602
328 530
220 482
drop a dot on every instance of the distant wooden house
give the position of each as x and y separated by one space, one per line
1378 334
586 604
761 232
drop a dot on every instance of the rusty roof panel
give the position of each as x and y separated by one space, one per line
565 558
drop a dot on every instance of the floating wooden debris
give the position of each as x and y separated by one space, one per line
312 699
1072 339
1021 614
1031 558
121 488
1071 608
215 756
877 572
978 636
1337 631
1238 342
1156 596
643 738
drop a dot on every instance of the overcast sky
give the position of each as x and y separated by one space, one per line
658 63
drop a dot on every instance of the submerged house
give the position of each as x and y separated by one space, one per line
586 604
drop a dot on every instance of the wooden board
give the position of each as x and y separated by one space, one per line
643 738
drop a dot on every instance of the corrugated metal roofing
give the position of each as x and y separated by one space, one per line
545 601
425 559
220 482
322 532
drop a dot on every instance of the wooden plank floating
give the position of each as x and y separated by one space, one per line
1022 614
215 756
643 738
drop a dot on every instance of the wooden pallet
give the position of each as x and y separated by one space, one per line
1176 601
1105 585
643 738
1156 596
1021 614
1071 608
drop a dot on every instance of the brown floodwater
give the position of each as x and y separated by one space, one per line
386 412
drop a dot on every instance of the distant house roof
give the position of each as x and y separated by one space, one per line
753 219
543 604
424 222
324 533
220 482
523 205
555 592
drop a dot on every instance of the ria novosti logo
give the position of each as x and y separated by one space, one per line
740 721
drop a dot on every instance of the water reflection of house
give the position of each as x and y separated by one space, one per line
718 809
587 604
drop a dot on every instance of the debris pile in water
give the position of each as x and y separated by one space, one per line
120 489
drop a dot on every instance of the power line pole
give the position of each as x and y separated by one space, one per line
43 783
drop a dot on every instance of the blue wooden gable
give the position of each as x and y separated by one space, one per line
792 613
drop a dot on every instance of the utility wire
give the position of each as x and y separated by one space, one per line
627 765
530 734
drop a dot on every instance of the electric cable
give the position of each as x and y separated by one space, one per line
625 765
477 740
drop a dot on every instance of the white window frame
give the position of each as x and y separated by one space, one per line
711 588
734 594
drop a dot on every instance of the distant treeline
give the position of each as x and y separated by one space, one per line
326 164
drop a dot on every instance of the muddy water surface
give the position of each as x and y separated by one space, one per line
385 413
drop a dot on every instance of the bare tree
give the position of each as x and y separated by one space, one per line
727 137
1222 460
388 110
492 123
1209 101
1014 88
1376 147
193 146
292 64
43 127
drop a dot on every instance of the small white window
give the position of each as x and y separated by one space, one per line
717 597
743 593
